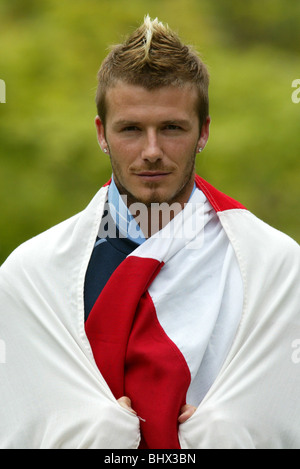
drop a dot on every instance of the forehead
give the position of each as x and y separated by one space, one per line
134 102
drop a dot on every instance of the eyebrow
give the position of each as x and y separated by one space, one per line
181 122
128 123
124 123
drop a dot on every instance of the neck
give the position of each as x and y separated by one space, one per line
154 217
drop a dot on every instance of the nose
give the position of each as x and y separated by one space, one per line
152 150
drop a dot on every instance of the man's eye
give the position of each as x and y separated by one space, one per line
172 127
130 128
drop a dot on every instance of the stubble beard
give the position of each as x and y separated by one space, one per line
155 198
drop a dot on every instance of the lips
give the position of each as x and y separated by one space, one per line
152 175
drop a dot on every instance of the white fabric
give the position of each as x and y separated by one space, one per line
53 395
254 402
198 295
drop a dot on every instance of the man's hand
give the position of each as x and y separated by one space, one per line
186 412
126 403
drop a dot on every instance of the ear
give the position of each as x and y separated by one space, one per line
101 134
204 134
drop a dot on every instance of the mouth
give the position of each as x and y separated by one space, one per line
153 176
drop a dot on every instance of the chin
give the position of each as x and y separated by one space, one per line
156 197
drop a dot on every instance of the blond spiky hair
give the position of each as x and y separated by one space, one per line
150 28
153 56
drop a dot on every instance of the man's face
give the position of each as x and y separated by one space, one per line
152 138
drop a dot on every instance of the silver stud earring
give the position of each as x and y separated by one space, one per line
200 149
105 150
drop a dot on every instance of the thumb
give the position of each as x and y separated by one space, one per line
125 402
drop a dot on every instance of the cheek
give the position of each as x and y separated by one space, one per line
184 146
122 151
184 155
120 163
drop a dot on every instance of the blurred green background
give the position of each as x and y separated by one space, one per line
50 52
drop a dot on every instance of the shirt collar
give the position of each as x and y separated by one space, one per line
122 217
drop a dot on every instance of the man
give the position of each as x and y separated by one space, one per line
163 315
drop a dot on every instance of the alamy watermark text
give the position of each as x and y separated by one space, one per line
296 353
296 93
2 352
162 220
2 91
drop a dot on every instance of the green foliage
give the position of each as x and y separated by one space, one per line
50 52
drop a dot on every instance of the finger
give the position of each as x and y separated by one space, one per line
125 402
186 412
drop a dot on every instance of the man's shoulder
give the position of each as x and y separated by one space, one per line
34 249
236 216
219 201
59 238
260 246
